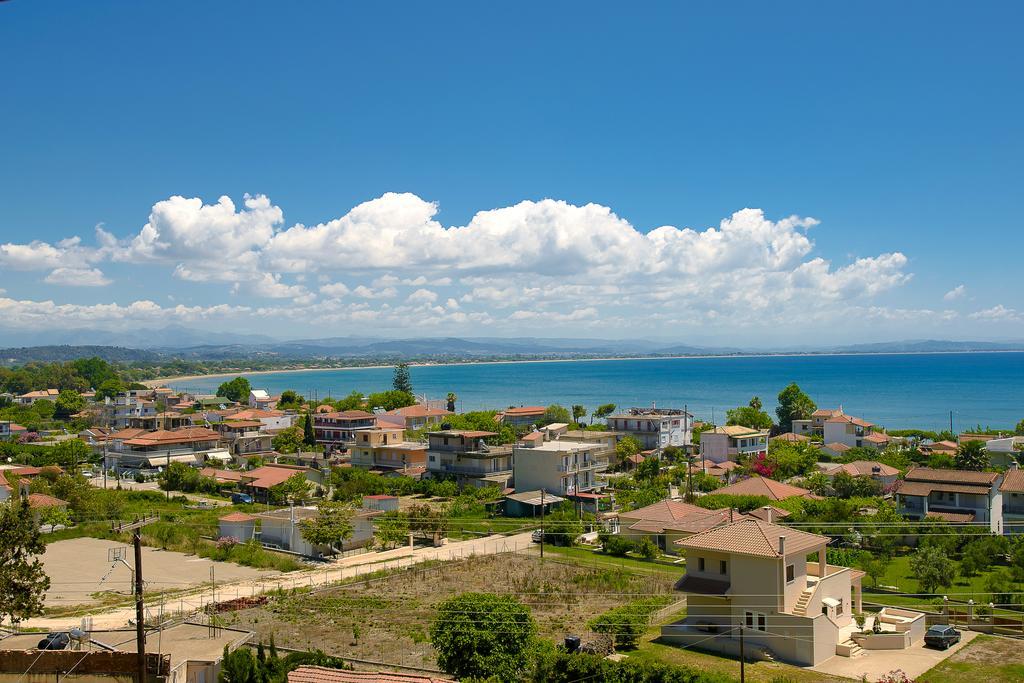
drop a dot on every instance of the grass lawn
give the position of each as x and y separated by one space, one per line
586 556
986 658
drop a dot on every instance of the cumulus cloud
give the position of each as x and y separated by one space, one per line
421 296
77 277
997 313
955 293
335 289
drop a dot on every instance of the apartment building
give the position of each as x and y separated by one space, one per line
731 442
466 455
418 416
385 448
755 576
337 431
556 466
119 411
955 496
142 449
655 428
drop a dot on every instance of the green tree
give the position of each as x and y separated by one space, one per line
1019 429
932 568
296 488
67 404
482 635
23 579
289 400
55 515
875 567
578 413
794 404
451 399
308 435
648 470
626 447
331 527
555 413
971 456
786 459
109 389
749 416
390 400
402 380
236 390
70 453
391 529
602 411
95 371
288 440
562 526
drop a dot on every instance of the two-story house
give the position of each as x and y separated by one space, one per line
418 415
815 426
952 495
847 430
261 399
755 576
466 455
33 396
881 473
140 449
655 428
731 442
560 467
668 521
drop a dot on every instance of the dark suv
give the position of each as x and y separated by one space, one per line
941 636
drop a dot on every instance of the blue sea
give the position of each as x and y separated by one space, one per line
896 391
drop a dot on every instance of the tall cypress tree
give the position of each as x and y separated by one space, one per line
23 580
308 436
402 380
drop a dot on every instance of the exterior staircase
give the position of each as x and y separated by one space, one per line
849 649
800 608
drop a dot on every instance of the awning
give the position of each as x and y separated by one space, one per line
695 584
218 455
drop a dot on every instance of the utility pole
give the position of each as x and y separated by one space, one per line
140 611
743 659
542 523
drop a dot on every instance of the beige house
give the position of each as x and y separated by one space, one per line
756 576
729 443
815 426
560 467
668 521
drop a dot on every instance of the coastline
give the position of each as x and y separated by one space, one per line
164 381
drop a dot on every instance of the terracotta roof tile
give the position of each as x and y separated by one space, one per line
762 486
320 674
1013 482
866 468
237 517
790 437
923 488
754 537
952 476
951 516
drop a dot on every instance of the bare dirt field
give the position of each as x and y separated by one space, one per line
77 568
388 619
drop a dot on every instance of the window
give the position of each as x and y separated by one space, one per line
755 620
700 564
762 622
749 618
723 567
790 573
839 608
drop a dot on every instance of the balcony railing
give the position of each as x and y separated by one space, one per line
474 471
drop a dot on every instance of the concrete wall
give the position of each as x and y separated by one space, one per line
838 587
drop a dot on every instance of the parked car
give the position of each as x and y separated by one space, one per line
941 636
538 535
241 499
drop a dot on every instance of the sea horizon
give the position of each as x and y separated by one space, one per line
897 390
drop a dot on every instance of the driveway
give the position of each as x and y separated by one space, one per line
874 664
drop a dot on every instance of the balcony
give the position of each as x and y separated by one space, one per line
473 471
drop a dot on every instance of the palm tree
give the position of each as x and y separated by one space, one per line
578 413
452 398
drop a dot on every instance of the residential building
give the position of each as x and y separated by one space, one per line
756 576
419 415
337 430
881 473
118 411
523 416
834 450
763 486
386 448
955 496
722 471
847 430
790 437
559 467
259 481
141 449
1003 451
466 455
381 502
283 529
815 426
655 428
33 396
668 521
940 448
731 442
261 399
607 439
530 503
271 420
1012 491
244 438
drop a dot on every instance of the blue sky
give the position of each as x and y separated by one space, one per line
897 129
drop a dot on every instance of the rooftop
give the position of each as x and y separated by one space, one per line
1013 482
419 410
320 674
866 468
849 419
162 437
525 410
952 476
762 486
754 538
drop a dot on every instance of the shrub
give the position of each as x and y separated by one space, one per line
616 545
628 622
647 549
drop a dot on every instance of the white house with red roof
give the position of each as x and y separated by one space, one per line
849 431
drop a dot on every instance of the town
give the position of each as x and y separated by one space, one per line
356 534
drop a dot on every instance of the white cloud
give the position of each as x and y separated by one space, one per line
955 293
77 277
20 314
368 293
270 286
997 313
421 296
335 289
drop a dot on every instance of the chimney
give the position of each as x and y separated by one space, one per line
1014 465
768 513
730 515
782 546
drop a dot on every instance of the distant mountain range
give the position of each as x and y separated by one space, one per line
155 345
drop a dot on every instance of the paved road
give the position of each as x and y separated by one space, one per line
344 568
